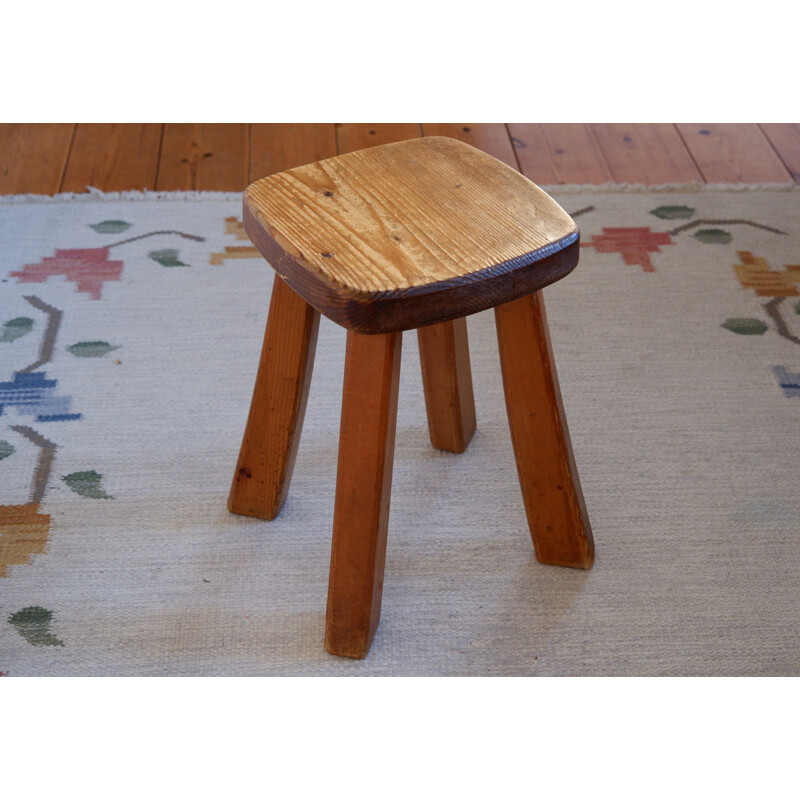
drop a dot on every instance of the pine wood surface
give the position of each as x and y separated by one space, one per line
548 477
447 383
275 422
101 156
363 491
443 348
352 136
649 154
35 158
408 234
785 138
275 148
333 217
737 153
492 139
559 153
204 157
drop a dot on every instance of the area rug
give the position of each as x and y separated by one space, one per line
130 330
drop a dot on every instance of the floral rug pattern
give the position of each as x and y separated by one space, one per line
83 282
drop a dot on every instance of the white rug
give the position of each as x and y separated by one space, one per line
131 333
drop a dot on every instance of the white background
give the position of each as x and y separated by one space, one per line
356 61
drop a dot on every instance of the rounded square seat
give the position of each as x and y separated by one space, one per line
409 234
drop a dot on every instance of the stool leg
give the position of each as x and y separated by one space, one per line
363 489
548 476
272 433
447 380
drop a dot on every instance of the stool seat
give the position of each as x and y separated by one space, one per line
409 234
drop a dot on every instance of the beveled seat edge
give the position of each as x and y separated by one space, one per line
418 306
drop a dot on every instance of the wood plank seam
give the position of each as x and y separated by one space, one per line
778 153
691 154
66 160
511 139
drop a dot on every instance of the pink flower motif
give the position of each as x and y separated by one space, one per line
633 244
87 269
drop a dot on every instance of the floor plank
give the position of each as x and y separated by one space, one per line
646 153
356 135
280 146
785 138
733 153
33 157
559 153
113 157
204 157
532 152
42 158
491 137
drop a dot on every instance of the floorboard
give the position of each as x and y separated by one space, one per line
491 137
204 157
646 153
114 157
785 138
354 136
281 146
559 153
733 153
46 159
33 157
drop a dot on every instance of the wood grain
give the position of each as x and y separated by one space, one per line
785 138
548 476
444 350
352 136
559 153
272 434
33 157
278 147
493 138
373 228
733 153
204 157
363 489
447 382
646 153
113 157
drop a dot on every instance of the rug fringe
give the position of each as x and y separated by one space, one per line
666 188
93 194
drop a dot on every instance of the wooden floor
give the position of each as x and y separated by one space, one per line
52 158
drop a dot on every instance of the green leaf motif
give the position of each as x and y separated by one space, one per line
797 307
111 226
87 484
167 258
746 326
673 212
15 328
713 236
33 625
6 449
91 349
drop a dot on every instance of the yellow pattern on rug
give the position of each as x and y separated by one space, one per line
754 273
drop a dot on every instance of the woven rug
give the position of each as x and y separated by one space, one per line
130 333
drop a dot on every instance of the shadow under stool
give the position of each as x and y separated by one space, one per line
412 235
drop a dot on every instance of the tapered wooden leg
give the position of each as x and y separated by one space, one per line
269 445
447 380
363 488
547 474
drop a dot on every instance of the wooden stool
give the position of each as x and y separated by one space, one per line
416 234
